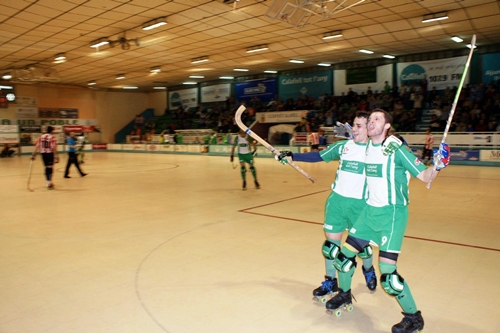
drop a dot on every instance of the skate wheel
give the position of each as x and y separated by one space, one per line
350 308
323 300
338 313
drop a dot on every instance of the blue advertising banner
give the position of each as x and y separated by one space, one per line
313 84
491 67
263 89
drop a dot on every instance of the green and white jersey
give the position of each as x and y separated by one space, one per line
350 178
388 176
243 144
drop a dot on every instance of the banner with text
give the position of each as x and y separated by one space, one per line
490 67
52 122
187 98
440 73
263 89
216 93
281 116
313 84
383 73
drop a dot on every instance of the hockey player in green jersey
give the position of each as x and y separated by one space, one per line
243 142
345 202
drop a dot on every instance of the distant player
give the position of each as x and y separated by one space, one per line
81 148
243 142
47 145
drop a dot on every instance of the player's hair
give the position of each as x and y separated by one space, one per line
50 129
387 115
362 114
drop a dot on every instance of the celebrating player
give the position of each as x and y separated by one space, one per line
388 167
346 201
243 142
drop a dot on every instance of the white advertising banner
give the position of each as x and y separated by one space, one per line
52 122
384 73
26 112
134 147
9 138
281 116
26 101
187 98
216 93
9 128
440 73
489 155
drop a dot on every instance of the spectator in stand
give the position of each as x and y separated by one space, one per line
387 88
6 151
482 126
418 102
427 150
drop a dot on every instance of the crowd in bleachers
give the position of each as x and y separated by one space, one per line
477 110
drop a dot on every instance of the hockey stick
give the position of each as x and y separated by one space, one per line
240 124
234 165
29 176
454 105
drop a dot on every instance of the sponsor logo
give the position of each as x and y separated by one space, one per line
413 74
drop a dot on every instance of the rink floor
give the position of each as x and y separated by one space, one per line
170 243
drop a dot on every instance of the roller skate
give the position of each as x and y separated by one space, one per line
257 185
411 323
370 277
326 290
50 186
339 301
244 186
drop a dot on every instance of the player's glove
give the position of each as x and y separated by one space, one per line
231 158
390 145
254 153
343 131
441 157
284 157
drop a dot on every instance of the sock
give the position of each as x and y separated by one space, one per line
368 263
254 173
331 271
345 279
243 173
405 299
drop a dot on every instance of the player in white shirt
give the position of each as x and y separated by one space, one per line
244 142
345 202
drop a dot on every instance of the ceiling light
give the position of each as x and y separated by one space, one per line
190 82
6 87
160 88
154 23
324 64
366 51
130 87
332 34
199 60
91 83
470 46
120 76
226 77
240 70
7 76
388 56
257 48
60 57
156 69
99 42
457 39
271 72
296 61
435 17
196 77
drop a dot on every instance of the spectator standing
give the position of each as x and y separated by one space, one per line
72 157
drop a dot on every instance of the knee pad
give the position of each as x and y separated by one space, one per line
243 169
330 250
392 283
344 264
366 253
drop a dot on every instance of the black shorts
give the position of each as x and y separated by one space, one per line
48 159
316 147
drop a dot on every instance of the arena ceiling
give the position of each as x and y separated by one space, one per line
33 32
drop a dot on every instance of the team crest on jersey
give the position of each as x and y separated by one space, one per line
417 161
346 150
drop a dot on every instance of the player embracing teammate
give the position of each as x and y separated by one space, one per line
387 168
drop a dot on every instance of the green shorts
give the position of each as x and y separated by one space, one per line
246 158
385 226
341 212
